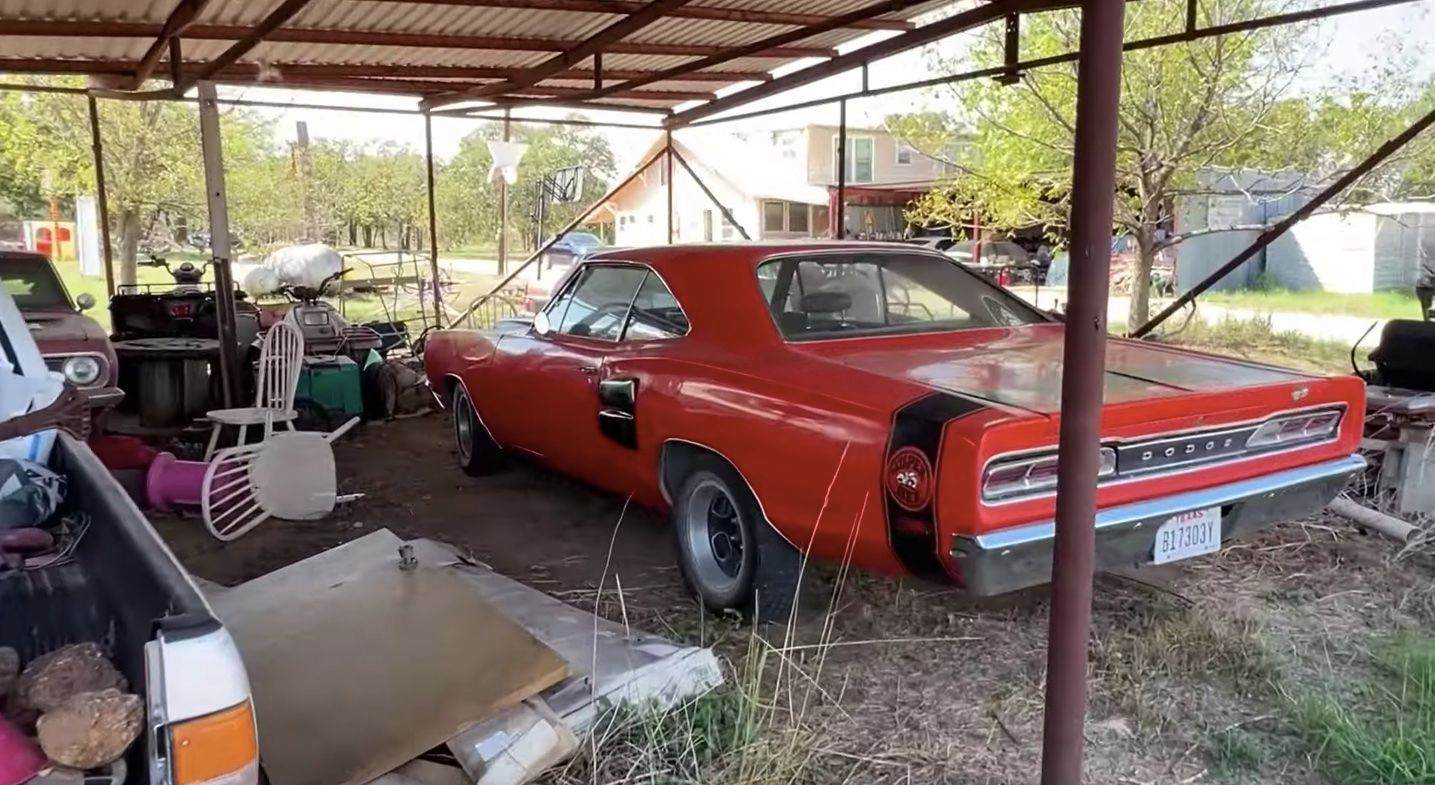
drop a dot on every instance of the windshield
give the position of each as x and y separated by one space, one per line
844 295
33 283
582 240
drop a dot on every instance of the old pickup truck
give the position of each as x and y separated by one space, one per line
123 589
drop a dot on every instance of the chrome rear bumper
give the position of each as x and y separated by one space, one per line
1015 558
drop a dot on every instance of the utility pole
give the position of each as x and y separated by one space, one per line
306 174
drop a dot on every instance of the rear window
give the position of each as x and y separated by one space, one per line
844 295
32 283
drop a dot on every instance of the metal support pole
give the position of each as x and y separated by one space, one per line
726 213
97 146
668 167
842 169
866 83
213 150
1093 185
1270 235
1191 16
433 223
503 202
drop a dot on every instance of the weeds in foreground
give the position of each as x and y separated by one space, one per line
1387 735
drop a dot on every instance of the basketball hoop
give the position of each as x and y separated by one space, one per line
506 156
567 184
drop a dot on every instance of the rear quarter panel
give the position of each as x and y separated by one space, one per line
813 460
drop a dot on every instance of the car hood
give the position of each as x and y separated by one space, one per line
1021 367
54 326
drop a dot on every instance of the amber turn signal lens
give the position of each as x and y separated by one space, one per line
217 749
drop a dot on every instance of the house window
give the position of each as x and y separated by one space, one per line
797 218
904 154
774 216
707 226
663 170
859 159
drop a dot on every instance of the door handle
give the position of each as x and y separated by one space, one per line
588 370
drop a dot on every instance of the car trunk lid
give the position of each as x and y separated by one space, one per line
1020 368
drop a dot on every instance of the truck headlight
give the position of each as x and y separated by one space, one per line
81 370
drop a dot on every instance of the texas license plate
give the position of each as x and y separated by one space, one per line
1194 533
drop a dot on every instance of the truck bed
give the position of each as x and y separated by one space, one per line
120 587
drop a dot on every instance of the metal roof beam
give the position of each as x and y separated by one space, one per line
424 87
181 17
926 34
760 48
617 31
113 29
275 20
51 65
620 7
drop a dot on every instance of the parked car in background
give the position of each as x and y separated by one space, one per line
557 261
12 235
570 248
933 242
121 588
1003 252
72 343
879 403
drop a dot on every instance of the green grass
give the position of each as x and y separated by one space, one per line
1255 339
1386 736
1375 305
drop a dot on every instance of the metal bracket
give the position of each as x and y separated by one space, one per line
1012 54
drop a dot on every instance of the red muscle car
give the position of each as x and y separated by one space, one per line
73 344
879 404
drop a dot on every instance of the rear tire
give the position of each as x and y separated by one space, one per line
729 555
478 453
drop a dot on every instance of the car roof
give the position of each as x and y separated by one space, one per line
717 288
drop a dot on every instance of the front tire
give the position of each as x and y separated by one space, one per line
729 555
478 453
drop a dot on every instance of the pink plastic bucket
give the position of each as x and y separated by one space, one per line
20 758
172 482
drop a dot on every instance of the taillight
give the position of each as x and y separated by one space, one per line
1290 430
1026 476
181 310
216 749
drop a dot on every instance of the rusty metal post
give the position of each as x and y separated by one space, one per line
841 233
433 223
668 167
97 146
1270 235
1093 185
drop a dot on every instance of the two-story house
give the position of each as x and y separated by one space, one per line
778 185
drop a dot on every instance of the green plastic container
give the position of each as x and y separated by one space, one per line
330 385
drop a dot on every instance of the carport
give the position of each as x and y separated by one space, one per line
670 64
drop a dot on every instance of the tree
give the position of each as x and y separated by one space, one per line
1186 110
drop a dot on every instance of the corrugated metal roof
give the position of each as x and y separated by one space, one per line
111 35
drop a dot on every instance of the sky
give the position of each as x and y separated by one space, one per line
1353 44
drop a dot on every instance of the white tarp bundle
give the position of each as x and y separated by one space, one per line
302 265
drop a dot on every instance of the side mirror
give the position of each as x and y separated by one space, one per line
541 325
85 301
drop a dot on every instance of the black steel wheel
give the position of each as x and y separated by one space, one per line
730 556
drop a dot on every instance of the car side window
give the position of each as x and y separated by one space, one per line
656 313
597 305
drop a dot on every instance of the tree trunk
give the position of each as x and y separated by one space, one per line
129 245
1140 311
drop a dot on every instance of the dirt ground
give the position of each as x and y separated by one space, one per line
885 681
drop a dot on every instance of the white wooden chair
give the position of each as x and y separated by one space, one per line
248 484
281 358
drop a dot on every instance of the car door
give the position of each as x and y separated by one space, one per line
561 378
629 441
